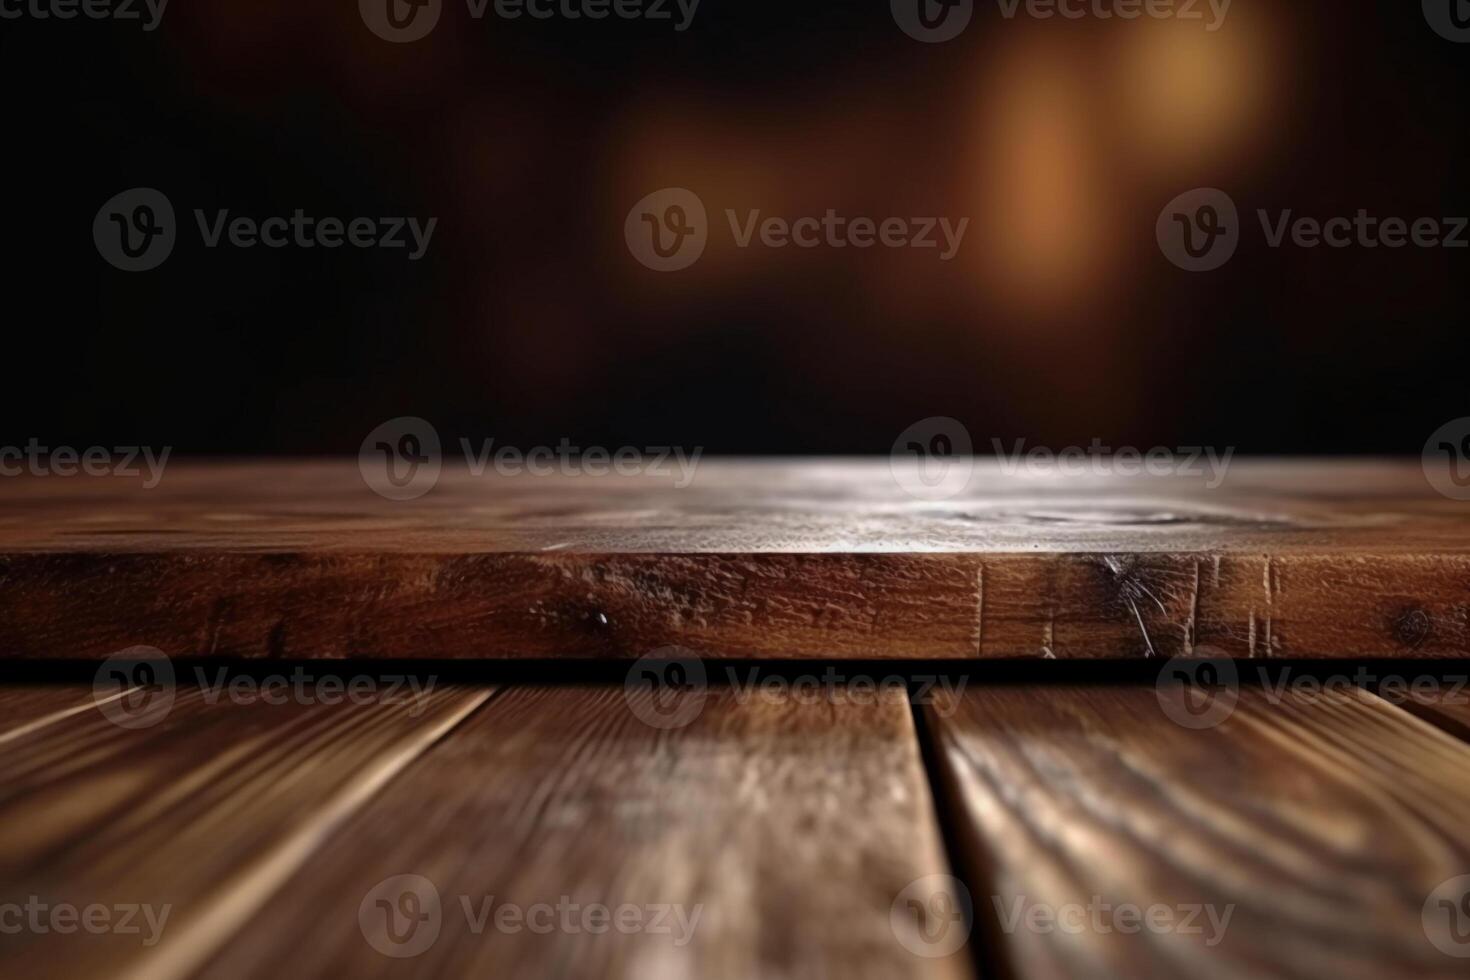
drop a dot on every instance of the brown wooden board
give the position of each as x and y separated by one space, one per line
133 852
1443 701
779 833
24 708
1320 830
751 560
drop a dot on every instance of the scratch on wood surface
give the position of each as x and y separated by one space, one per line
1270 575
979 609
1189 626
1130 589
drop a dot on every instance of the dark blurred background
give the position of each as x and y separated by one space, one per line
530 321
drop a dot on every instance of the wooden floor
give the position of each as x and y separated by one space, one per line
789 824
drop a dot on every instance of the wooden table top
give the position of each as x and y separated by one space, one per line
752 559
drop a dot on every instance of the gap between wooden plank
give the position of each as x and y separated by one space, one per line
1324 826
1446 707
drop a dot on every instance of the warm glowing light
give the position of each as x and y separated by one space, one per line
1043 195
1186 95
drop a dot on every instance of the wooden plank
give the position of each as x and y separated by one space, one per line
1322 826
751 560
1444 702
24 708
173 834
784 829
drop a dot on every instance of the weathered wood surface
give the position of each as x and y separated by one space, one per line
205 811
303 559
778 831
1317 828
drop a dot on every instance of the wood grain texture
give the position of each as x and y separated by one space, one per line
1445 703
1323 824
25 708
205 812
807 560
791 826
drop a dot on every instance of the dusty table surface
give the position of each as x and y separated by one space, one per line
752 559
